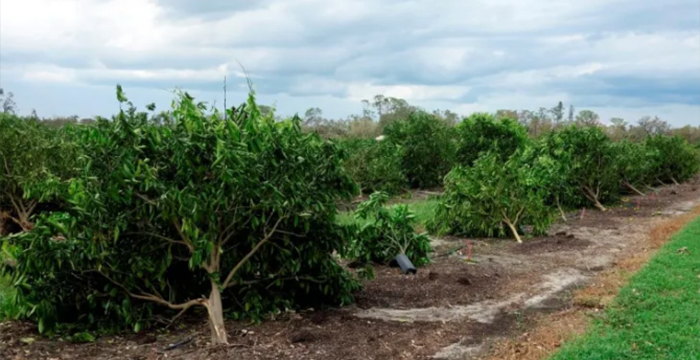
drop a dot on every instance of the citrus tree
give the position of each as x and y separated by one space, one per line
375 165
204 212
482 132
674 159
493 198
387 232
33 158
427 145
589 162
634 163
553 177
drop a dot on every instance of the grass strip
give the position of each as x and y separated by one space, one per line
656 315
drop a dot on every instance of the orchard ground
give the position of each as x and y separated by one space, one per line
515 301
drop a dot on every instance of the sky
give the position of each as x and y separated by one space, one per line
619 58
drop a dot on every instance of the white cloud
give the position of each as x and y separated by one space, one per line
358 92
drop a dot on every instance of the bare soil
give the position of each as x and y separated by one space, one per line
451 309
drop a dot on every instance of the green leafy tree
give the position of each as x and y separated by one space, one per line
552 177
375 165
33 158
492 196
204 212
427 145
386 233
590 164
634 163
674 159
481 132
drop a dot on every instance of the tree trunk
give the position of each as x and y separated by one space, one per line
631 187
593 197
216 316
561 211
514 230
4 217
598 205
23 213
23 222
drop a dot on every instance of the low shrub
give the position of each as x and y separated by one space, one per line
385 233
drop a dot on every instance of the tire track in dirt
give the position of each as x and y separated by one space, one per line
551 330
559 271
484 311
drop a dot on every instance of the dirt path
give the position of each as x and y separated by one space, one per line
450 310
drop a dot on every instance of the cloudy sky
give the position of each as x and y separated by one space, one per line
620 58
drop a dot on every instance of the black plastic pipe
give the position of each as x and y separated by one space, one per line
405 264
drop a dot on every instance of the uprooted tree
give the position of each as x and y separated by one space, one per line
203 212
492 198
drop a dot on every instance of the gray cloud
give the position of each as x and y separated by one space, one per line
600 53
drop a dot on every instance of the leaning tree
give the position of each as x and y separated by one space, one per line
589 164
493 198
201 212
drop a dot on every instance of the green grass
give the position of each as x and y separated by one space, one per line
422 209
656 316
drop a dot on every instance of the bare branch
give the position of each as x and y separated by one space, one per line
232 233
183 236
291 234
144 198
14 203
7 167
178 242
251 253
517 217
32 206
172 321
157 299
